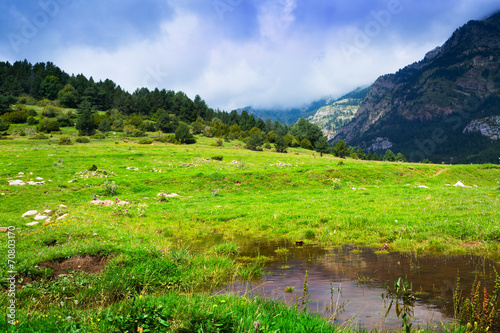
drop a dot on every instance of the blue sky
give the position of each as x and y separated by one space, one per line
233 53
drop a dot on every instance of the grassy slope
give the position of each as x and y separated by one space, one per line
257 197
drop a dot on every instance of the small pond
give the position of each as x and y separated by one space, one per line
353 280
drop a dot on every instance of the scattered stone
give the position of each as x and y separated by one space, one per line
235 162
4 229
189 165
109 202
423 186
36 183
281 164
460 184
16 183
63 206
132 168
62 217
40 217
30 213
171 195
20 174
73 181
47 212
39 178
32 223
3 194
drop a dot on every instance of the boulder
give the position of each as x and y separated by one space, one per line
40 217
30 213
16 183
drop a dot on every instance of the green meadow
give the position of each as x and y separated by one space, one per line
155 259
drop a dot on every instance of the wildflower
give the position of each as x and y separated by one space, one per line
76 302
69 318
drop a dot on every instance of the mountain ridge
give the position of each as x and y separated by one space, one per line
422 109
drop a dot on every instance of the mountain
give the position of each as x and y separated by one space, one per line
334 116
444 108
287 116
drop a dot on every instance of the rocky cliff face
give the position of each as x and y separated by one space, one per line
454 85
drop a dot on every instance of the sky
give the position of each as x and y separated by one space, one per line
233 53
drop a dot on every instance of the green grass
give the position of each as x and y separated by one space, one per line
178 250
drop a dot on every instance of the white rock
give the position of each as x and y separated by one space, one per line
63 206
36 183
30 213
62 217
48 211
32 223
40 217
459 184
423 186
39 178
16 182
20 174
3 194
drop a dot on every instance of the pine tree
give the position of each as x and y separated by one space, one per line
85 123
321 146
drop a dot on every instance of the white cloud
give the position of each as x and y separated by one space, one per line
280 66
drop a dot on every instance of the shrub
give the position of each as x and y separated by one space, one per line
337 185
99 136
65 120
48 125
217 158
3 125
50 112
146 141
218 143
16 117
32 121
267 145
39 136
65 141
110 187
306 144
28 100
82 139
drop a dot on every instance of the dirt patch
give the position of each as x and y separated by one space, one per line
87 264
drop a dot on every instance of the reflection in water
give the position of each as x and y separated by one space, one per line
353 281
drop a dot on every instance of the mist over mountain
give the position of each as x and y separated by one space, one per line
445 108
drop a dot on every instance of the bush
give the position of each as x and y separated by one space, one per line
65 141
3 125
267 145
32 121
218 143
146 141
82 139
16 117
28 100
39 136
50 112
99 136
65 120
46 102
217 158
306 144
48 126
